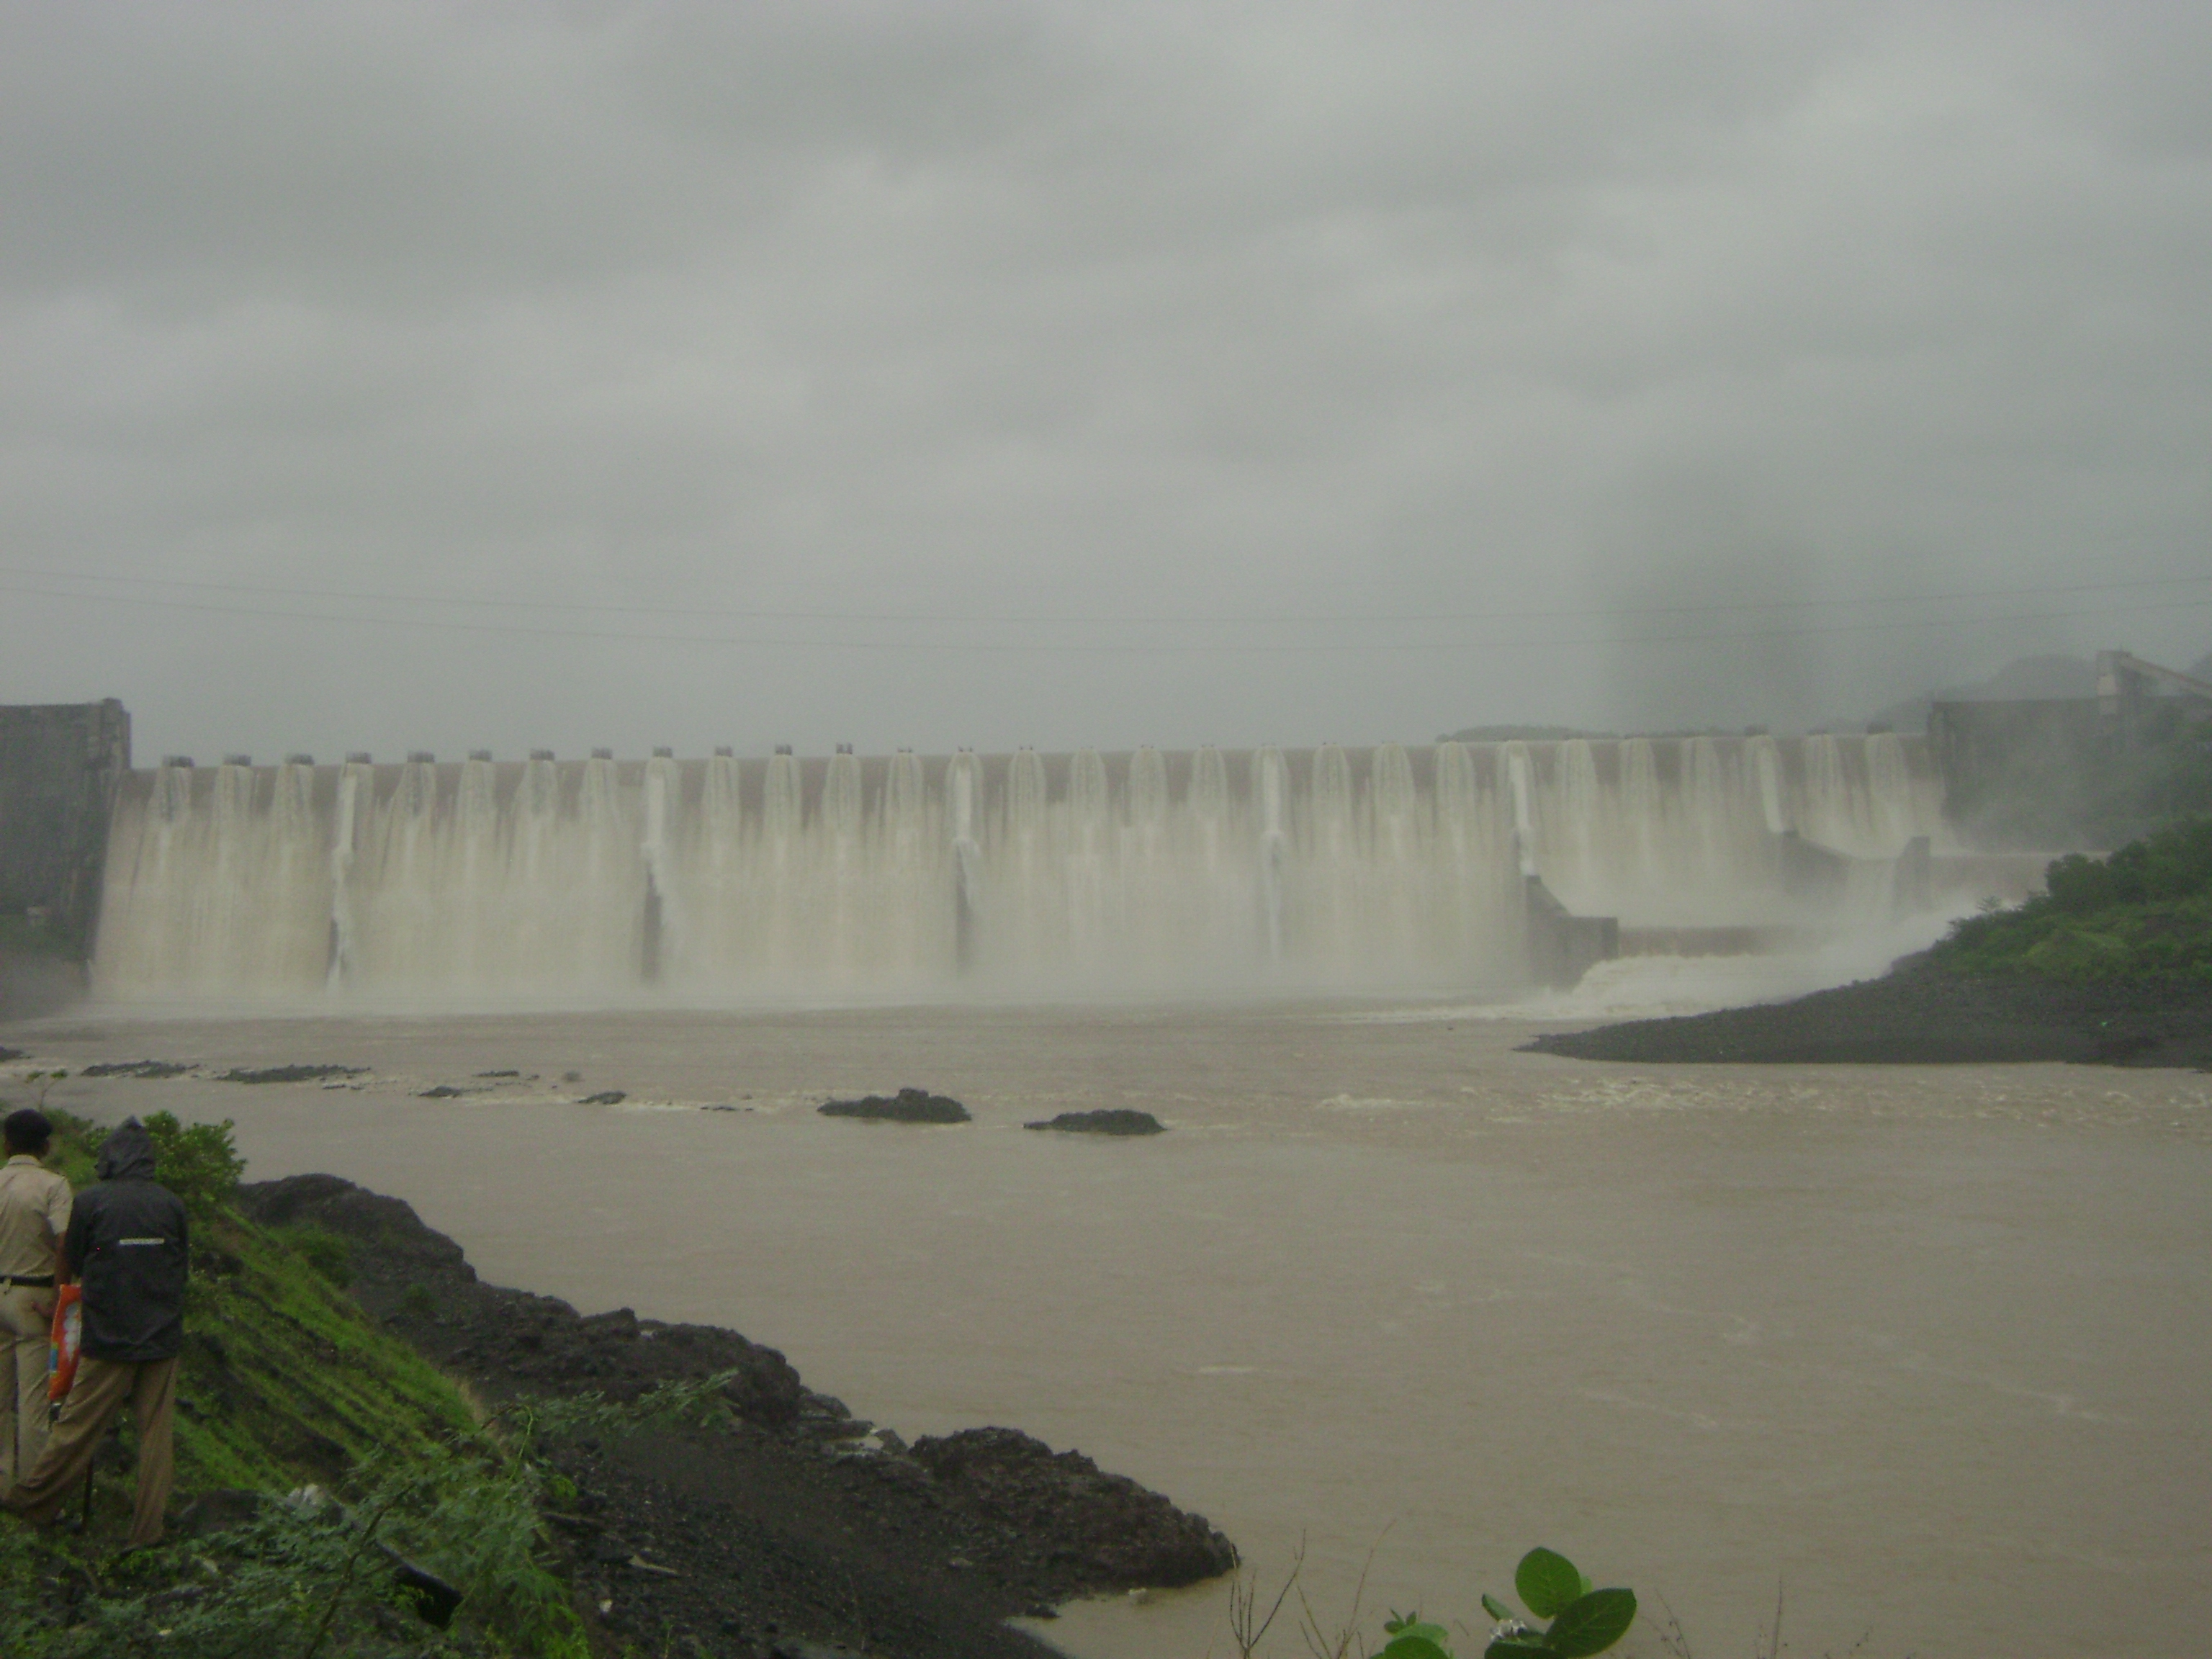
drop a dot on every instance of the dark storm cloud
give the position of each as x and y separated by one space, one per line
974 318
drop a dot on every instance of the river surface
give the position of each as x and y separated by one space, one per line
1927 1349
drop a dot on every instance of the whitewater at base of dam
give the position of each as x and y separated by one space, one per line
1278 871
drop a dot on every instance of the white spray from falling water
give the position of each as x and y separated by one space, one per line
1027 874
342 846
1273 846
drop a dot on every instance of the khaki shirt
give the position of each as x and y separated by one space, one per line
34 1213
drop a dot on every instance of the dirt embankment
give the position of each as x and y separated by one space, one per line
1918 1015
802 1532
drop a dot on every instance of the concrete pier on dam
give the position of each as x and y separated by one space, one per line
1475 868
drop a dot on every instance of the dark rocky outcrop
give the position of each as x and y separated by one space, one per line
150 1068
796 1531
1107 1529
908 1106
289 1073
604 1098
1107 1120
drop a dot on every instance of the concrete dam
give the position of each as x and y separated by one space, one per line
1330 869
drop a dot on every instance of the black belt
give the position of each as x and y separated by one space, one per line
35 1281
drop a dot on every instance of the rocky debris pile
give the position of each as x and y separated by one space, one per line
1107 1120
604 1098
1920 1016
153 1068
1104 1529
908 1106
797 1531
288 1073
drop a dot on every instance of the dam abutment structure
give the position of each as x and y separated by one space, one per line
1331 869
60 767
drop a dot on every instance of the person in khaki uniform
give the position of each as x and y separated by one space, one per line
34 1213
127 1243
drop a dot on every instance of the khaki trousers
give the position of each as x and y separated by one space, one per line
26 1322
94 1402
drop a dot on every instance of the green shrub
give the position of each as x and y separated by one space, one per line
197 1162
2144 912
311 1575
1581 1620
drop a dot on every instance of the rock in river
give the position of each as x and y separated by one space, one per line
908 1106
288 1073
1108 1120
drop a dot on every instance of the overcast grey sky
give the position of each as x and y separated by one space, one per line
1076 374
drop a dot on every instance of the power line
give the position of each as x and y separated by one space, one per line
1215 648
596 608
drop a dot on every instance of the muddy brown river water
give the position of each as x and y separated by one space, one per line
1930 1349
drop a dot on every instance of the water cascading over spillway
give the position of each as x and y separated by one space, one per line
1330 869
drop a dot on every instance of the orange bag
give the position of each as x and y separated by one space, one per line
69 1330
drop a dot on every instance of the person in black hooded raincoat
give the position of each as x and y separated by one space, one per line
128 1245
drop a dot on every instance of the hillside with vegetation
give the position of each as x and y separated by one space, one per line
326 1452
2145 912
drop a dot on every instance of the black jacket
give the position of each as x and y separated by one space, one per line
127 1246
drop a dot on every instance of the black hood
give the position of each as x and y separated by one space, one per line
127 1154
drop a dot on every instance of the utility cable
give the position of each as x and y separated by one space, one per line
596 608
1215 647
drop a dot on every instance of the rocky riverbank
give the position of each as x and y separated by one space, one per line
801 1532
1918 1014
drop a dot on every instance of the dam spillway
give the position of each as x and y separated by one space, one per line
1326 869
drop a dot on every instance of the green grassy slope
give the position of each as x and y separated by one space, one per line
284 1381
285 1384
284 1377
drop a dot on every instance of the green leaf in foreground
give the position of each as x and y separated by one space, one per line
1591 1623
1416 1626
1547 1582
1496 1608
1413 1647
1524 1646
